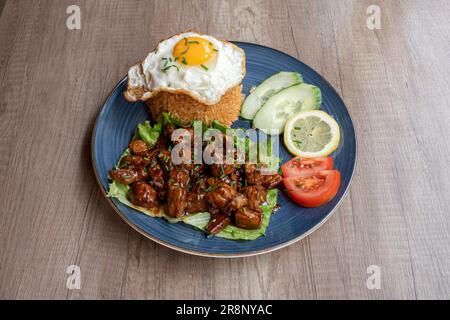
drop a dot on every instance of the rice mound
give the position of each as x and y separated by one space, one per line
186 108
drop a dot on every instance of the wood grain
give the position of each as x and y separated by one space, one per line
395 82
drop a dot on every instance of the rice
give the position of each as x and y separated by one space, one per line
186 108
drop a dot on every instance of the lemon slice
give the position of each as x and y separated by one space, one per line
311 133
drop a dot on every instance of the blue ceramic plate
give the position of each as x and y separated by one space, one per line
118 119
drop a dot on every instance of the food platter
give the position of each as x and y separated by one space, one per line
118 119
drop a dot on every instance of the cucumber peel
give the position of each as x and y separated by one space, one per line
264 91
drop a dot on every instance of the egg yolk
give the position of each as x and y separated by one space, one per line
193 51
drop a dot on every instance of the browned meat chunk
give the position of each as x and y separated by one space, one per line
213 210
250 172
134 162
139 147
156 177
198 178
177 191
127 176
196 202
256 195
220 194
239 201
218 223
188 166
142 194
235 178
164 157
247 218
271 181
253 175
161 142
219 170
198 170
168 129
213 182
198 184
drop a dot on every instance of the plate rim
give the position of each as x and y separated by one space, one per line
224 255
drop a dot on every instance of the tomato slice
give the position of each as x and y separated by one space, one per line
300 166
313 190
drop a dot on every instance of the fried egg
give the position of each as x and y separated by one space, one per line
198 65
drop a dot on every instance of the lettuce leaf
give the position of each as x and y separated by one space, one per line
148 133
127 152
200 220
167 118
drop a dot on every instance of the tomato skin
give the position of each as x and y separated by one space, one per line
306 166
316 197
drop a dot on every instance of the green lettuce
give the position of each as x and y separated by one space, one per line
167 118
148 133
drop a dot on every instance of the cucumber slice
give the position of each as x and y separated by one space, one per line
273 114
266 89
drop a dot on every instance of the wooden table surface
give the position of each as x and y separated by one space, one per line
395 82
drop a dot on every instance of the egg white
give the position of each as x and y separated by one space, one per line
225 70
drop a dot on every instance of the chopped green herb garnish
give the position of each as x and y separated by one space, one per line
183 61
211 188
193 42
204 67
168 67
215 50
